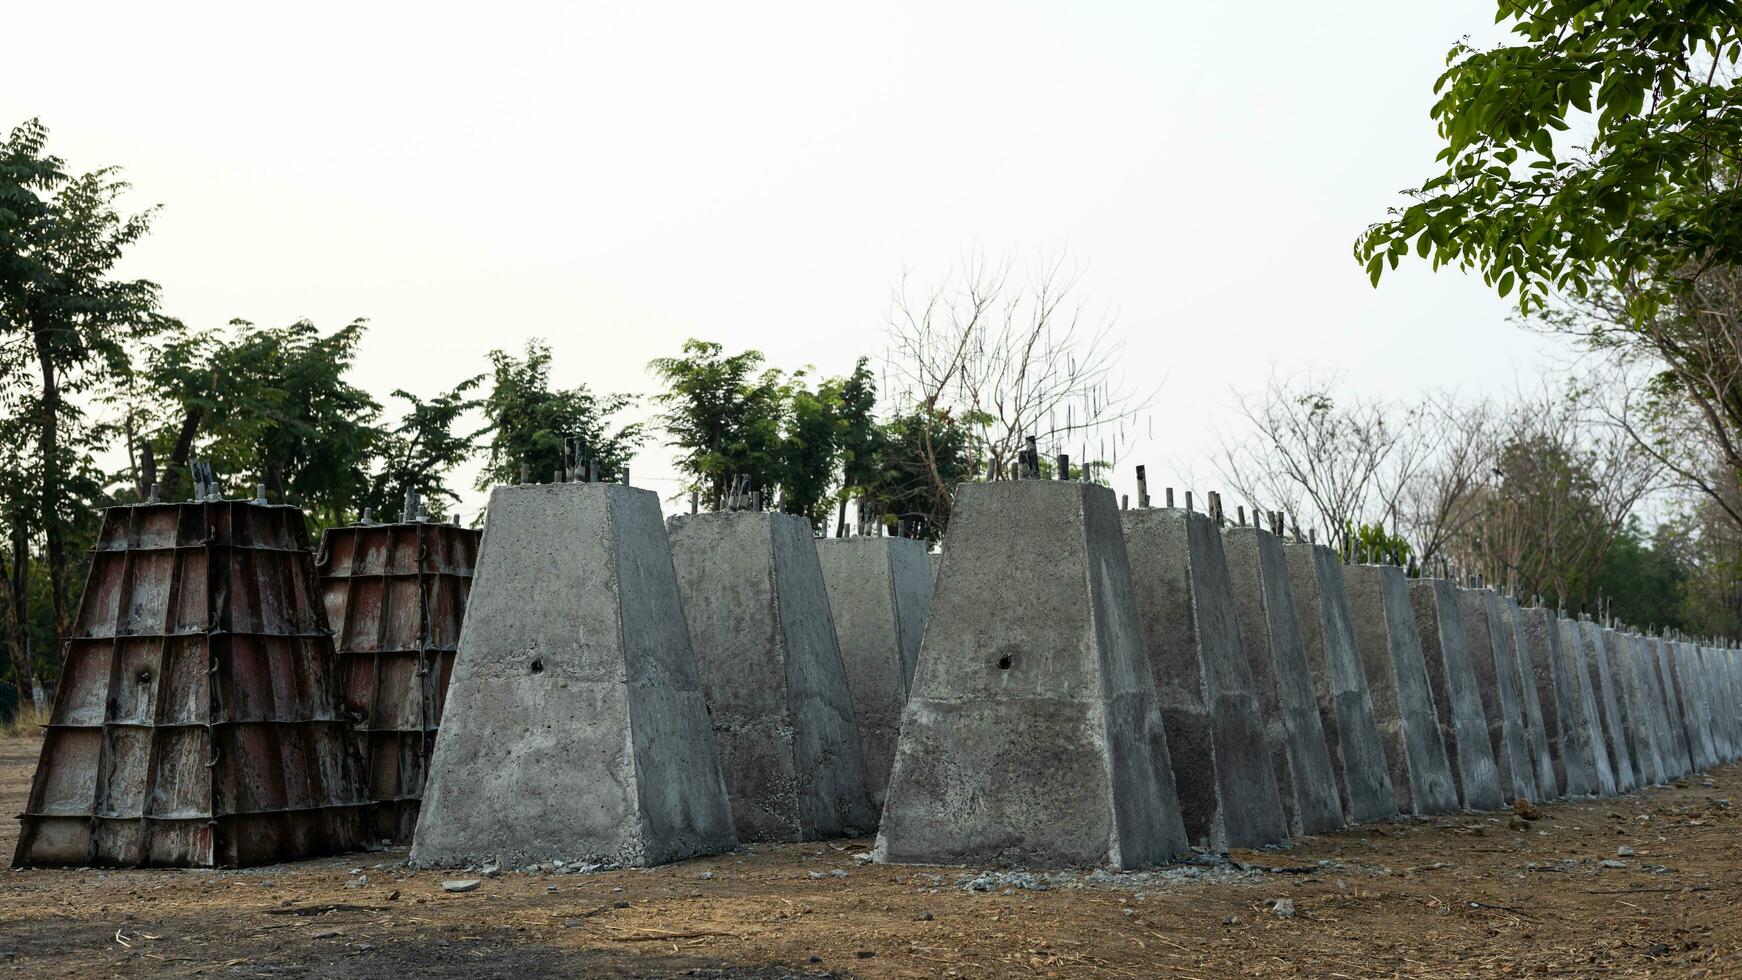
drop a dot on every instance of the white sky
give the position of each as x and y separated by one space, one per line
619 177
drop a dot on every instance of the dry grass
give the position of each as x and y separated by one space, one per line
25 722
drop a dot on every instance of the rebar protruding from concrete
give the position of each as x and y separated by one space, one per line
153 497
1064 465
1142 487
626 474
1312 534
695 501
1188 500
1033 459
365 519
1240 512
1169 498
1124 501
260 493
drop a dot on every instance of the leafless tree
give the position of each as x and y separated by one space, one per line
1562 489
1011 358
1323 457
1437 504
1687 411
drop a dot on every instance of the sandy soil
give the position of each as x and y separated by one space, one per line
1474 895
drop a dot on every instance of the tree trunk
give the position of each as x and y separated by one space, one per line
17 637
48 442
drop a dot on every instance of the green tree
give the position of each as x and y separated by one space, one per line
272 406
1651 201
61 237
725 415
923 459
1640 577
527 421
810 445
860 438
421 451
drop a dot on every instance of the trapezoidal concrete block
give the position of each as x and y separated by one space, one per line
1032 735
764 638
1718 680
1579 669
575 726
1271 636
1497 681
1693 688
196 723
1445 648
879 594
1664 677
1676 758
1203 681
1563 709
1683 718
1536 724
1635 721
396 598
1715 698
1403 697
1609 707
1327 632
1649 749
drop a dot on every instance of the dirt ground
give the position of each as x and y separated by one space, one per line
1475 895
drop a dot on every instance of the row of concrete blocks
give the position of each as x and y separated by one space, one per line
1093 687
630 693
1106 687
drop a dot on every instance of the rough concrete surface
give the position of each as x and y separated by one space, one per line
879 594
1563 709
1549 784
1497 679
1732 698
1032 735
1327 632
1618 649
1203 681
1672 744
1580 673
1648 744
1718 683
574 726
1615 730
1688 692
1403 699
1271 636
1657 651
1451 674
771 668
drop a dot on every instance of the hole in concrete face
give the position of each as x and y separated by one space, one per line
538 666
145 677
1005 662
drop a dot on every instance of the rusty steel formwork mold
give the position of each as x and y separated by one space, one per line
396 596
196 723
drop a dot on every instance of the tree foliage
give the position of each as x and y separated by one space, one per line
527 421
67 323
1647 203
272 406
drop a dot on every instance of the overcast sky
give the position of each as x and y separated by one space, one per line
619 177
